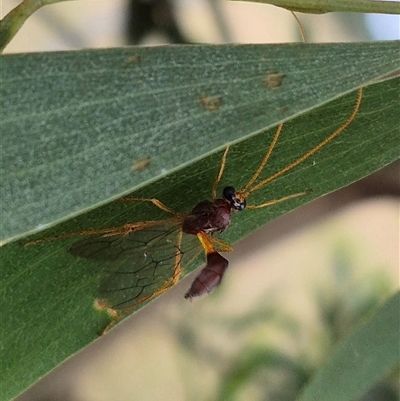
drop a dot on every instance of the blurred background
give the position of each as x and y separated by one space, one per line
294 288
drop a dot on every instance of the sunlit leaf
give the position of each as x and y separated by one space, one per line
361 359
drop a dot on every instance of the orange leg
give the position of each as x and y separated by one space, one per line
223 245
154 201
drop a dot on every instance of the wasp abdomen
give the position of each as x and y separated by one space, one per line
210 276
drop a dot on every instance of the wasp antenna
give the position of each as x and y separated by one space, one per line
313 150
221 171
245 190
302 31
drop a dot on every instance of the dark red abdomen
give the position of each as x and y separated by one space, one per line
208 217
209 277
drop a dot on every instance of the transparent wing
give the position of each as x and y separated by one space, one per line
142 264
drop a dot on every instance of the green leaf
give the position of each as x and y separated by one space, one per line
320 7
69 152
75 124
247 366
14 20
361 359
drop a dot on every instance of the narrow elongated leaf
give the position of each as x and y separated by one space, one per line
320 7
75 150
14 20
76 125
361 359
48 295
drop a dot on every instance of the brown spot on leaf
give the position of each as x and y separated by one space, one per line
141 164
134 58
273 79
103 306
211 103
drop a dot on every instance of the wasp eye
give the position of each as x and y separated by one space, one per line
237 203
229 194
